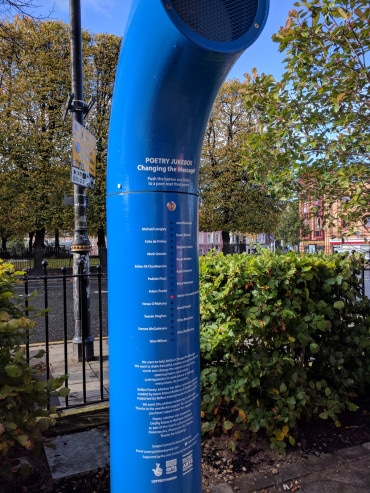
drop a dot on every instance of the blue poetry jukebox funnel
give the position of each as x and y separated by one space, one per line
175 55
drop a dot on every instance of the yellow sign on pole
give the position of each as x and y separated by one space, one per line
83 157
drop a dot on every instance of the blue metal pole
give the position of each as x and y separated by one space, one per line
174 57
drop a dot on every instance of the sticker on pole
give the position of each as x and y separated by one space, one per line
83 157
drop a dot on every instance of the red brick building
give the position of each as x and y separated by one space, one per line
317 237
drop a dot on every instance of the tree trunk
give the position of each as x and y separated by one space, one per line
3 242
102 249
101 238
39 243
226 242
56 239
30 240
38 246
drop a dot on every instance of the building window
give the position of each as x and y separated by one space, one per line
306 234
319 233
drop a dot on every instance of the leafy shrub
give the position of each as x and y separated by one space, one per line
23 394
283 337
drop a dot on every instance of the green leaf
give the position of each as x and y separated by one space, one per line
39 354
255 383
208 426
231 445
227 425
43 423
63 392
13 371
25 441
283 388
352 407
343 14
339 305
314 348
7 391
291 440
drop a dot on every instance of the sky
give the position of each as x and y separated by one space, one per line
110 16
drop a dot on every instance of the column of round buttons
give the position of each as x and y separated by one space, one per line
173 278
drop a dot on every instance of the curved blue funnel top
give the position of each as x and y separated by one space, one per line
175 55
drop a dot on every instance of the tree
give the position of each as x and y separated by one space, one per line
34 144
8 8
20 6
100 75
228 200
313 126
290 225
10 222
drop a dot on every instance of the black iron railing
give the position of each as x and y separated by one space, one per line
57 257
49 297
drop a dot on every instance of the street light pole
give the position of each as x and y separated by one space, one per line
83 341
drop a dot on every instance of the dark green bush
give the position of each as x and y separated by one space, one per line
283 337
24 394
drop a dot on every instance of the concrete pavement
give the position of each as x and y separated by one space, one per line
62 362
346 471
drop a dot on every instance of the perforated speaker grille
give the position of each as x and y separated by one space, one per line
216 20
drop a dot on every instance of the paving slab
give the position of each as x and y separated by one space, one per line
291 471
254 482
351 453
221 488
78 453
327 486
317 463
355 474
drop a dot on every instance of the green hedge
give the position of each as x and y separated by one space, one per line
283 337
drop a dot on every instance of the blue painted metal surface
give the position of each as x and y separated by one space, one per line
171 66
